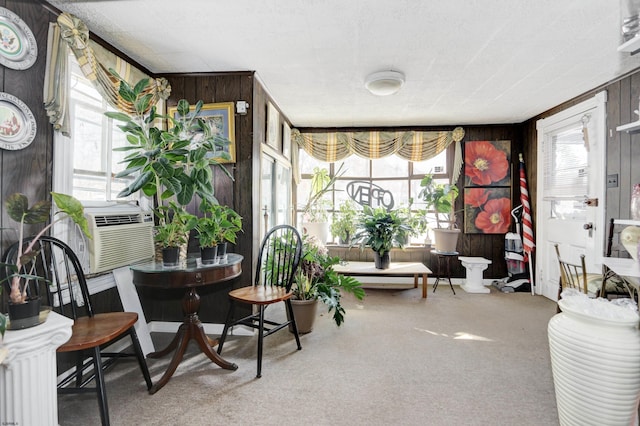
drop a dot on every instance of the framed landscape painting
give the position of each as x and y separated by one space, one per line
221 119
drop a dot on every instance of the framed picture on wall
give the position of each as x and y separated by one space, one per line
286 141
273 124
487 210
220 118
487 163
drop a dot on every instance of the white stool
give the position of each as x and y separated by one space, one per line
474 267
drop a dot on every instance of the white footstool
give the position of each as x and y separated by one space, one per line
474 267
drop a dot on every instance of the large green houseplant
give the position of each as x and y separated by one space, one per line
167 164
315 281
381 229
440 198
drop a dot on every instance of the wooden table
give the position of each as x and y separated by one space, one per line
627 269
396 269
190 276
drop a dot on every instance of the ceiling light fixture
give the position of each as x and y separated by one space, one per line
384 83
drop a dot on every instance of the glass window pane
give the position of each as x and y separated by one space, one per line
435 165
87 137
390 166
308 163
355 166
390 194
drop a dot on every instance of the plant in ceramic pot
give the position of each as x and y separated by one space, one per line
18 209
440 198
381 230
315 280
173 164
315 214
344 222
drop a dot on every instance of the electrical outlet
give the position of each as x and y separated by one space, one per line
612 181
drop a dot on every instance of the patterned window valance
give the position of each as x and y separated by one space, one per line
95 61
410 145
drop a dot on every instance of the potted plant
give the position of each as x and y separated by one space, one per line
173 164
315 280
344 222
381 230
440 198
17 207
315 214
218 225
172 232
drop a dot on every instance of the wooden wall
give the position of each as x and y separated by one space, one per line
28 170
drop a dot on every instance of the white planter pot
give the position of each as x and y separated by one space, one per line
596 368
319 230
446 240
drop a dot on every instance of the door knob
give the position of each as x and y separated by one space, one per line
589 227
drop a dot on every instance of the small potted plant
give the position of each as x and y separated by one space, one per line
315 280
344 222
440 198
315 214
172 232
381 230
218 225
21 307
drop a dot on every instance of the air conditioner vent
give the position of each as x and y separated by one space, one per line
114 220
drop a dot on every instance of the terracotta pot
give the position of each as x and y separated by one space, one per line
305 313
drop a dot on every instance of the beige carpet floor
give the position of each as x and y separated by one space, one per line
464 359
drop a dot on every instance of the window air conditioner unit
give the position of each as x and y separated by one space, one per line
121 235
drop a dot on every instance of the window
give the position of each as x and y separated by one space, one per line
391 181
85 163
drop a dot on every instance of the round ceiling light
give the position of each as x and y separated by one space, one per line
384 83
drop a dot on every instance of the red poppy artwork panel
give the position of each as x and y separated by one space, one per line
487 210
487 163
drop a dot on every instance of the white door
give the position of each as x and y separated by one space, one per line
571 167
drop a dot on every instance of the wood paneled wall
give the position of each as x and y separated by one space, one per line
28 170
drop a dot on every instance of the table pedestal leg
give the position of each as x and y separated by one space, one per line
191 328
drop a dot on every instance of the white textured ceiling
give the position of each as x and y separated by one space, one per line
465 61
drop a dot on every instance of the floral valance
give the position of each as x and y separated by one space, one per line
95 61
410 145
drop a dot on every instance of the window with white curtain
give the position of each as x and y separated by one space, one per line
85 163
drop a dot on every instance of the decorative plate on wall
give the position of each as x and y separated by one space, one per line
18 48
17 123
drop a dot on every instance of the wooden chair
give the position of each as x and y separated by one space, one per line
612 284
65 286
278 260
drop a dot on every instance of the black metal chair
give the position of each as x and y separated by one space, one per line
59 272
278 260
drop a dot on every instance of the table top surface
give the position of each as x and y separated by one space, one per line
190 273
395 268
622 266
192 264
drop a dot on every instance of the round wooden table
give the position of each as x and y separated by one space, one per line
189 275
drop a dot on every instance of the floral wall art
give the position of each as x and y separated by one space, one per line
487 192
